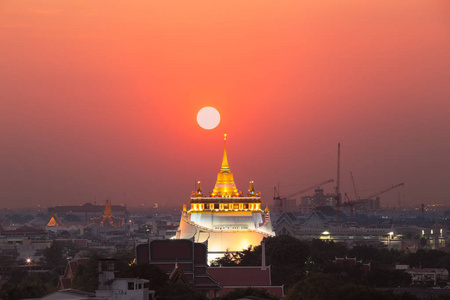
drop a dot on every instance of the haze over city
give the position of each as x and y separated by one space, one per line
99 98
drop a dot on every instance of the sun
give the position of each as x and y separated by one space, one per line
208 118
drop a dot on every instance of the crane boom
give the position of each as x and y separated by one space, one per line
385 190
306 189
338 185
354 187
309 188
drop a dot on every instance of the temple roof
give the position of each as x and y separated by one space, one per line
225 186
54 222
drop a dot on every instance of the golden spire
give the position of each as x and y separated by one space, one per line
225 186
107 215
225 165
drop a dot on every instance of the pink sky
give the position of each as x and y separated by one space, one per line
99 98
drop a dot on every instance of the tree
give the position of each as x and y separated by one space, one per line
357 292
241 293
180 291
313 288
227 260
22 285
86 278
54 258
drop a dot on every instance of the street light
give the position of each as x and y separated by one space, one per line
28 260
327 235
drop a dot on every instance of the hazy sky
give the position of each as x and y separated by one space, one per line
98 99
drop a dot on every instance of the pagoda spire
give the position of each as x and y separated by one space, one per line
107 215
225 186
225 165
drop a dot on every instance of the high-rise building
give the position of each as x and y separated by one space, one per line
227 220
318 199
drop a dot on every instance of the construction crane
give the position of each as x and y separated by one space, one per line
364 202
354 187
338 185
278 200
349 203
385 190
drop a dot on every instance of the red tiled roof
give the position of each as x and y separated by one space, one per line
80 243
171 250
240 276
445 249
24 230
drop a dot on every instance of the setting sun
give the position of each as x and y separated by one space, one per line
208 118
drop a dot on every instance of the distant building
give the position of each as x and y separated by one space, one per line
111 288
173 256
316 226
318 199
283 205
87 211
425 276
185 261
108 219
65 280
352 262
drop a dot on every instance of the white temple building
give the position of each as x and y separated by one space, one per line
226 219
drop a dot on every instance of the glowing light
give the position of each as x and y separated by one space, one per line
208 118
325 233
28 260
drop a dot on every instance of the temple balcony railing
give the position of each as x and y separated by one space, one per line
225 200
185 219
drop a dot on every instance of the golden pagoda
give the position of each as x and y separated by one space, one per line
226 219
225 196
107 219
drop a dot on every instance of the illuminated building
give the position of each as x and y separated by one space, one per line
318 199
87 211
108 220
226 219
54 222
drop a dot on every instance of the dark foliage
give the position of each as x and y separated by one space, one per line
54 257
23 285
321 286
241 293
179 291
86 278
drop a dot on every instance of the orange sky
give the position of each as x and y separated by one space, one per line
99 98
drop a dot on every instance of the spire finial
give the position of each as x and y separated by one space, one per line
199 190
251 190
225 165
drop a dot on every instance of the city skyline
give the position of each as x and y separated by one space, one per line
99 99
